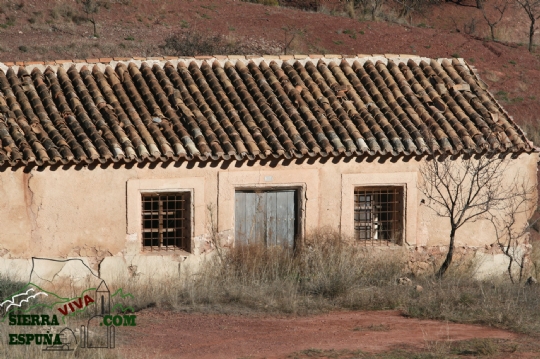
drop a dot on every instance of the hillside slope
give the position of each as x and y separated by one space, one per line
39 30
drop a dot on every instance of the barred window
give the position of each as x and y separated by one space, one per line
378 214
166 220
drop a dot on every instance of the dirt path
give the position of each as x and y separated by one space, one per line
178 335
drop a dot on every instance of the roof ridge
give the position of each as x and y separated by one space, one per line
79 63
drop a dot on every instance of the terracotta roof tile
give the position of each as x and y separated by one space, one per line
237 109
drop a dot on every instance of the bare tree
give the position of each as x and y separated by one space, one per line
464 190
479 3
408 7
512 234
369 6
213 230
498 7
91 8
532 8
290 34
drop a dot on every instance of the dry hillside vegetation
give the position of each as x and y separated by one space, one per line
40 30
330 274
325 275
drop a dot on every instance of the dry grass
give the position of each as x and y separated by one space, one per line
198 43
264 2
36 352
433 350
533 132
328 274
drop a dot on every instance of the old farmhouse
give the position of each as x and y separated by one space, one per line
132 164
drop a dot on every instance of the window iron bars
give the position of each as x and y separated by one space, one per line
378 215
166 221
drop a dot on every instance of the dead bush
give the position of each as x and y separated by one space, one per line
264 2
195 43
9 286
533 132
328 273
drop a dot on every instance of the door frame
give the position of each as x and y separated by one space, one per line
300 206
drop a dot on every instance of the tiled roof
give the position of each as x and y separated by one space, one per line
234 107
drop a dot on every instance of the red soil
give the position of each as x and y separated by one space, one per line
44 30
180 335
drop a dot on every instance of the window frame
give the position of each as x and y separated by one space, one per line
413 229
136 187
375 221
186 241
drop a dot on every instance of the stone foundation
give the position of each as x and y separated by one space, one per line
483 262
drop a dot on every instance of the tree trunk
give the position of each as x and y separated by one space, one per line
449 256
492 32
531 34
94 23
510 268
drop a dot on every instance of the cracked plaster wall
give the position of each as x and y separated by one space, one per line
83 212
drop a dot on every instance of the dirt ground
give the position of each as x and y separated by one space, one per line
166 334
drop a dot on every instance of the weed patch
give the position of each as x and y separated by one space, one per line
329 274
264 2
194 43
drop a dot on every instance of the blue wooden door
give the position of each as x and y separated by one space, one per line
265 217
